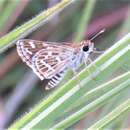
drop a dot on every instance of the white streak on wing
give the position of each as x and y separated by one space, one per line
51 86
46 56
40 65
49 53
54 80
20 42
57 58
19 47
19 50
28 51
57 78
32 44
47 65
54 84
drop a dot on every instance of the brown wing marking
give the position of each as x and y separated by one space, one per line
27 49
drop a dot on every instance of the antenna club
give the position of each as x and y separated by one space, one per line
96 35
103 30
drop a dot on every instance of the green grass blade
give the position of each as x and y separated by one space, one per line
92 106
109 118
31 25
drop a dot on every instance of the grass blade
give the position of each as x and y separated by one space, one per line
83 24
31 25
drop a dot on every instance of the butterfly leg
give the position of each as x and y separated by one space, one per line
91 62
86 64
77 78
97 51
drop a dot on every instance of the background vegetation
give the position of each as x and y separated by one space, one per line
101 103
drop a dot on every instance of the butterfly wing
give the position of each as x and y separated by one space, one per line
45 59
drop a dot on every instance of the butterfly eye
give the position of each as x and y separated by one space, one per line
85 48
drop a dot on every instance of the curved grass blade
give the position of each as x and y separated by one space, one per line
25 29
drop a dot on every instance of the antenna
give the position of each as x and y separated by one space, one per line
97 34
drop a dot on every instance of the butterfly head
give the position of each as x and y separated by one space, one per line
87 46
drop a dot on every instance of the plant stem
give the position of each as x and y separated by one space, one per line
83 24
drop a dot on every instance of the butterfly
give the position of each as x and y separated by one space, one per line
51 60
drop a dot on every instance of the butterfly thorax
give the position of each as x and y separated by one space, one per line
81 53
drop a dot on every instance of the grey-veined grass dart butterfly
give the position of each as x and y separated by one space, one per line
50 60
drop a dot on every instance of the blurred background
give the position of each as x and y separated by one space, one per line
20 88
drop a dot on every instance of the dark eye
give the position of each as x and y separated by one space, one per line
85 48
